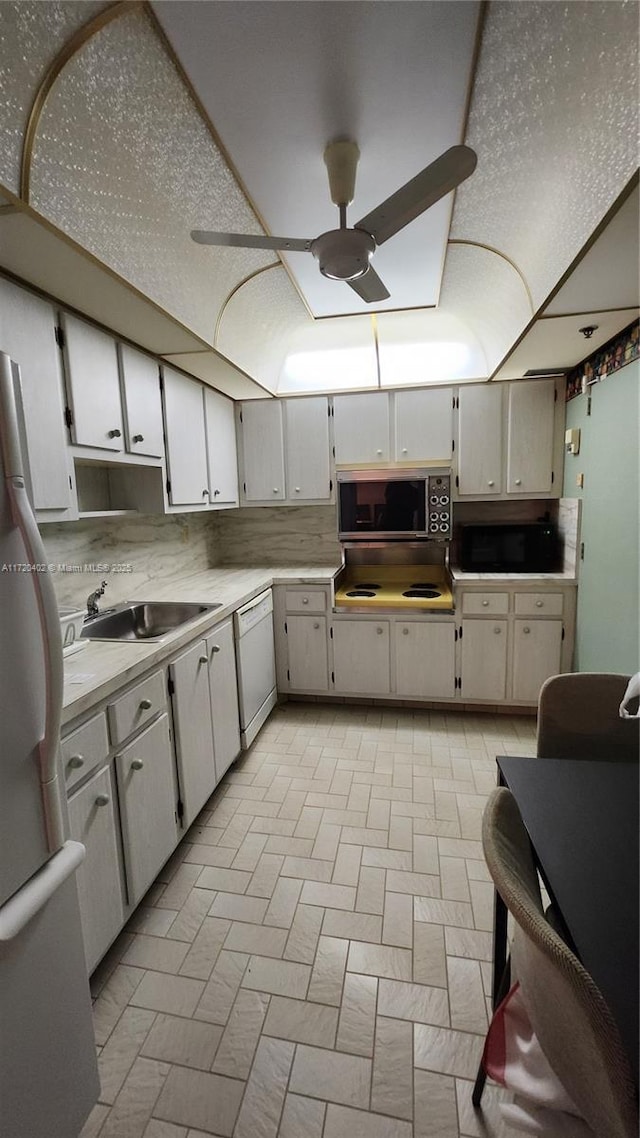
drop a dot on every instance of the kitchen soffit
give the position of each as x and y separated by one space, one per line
279 81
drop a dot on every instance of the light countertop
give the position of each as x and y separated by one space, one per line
459 575
103 667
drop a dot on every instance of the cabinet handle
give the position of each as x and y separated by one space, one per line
539 604
215 648
485 603
518 482
379 631
526 630
145 705
316 624
305 600
203 659
102 800
205 493
136 764
114 434
215 493
497 631
138 438
491 482
76 761
405 631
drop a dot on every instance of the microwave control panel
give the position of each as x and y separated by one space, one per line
439 506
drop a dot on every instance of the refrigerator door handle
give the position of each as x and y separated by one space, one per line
23 906
46 601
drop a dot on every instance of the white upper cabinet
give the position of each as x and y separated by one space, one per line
186 441
222 457
480 440
362 428
424 425
27 334
93 385
263 450
142 403
307 448
530 437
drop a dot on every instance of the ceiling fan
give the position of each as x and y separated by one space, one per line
345 254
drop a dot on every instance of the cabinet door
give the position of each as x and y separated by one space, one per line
537 646
480 440
186 442
530 437
94 385
223 694
142 403
146 791
222 456
307 660
424 425
92 821
192 721
361 657
425 660
27 334
361 424
484 659
307 441
263 450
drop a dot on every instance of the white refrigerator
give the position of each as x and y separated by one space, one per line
48 1068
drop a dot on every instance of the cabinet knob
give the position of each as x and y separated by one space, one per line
316 624
305 600
215 493
378 452
275 489
138 438
518 482
205 493
379 631
203 659
526 630
405 631
297 489
145 705
485 604
114 434
539 604
215 648
491 482
136 764
76 761
404 450
102 800
497 631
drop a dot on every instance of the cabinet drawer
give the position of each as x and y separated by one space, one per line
485 603
305 600
539 604
84 749
136 707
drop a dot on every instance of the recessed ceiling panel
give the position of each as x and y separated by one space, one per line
281 80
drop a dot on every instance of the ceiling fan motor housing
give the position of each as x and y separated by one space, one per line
343 254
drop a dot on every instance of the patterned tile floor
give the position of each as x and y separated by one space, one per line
314 959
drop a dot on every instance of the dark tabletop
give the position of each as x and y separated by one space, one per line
582 818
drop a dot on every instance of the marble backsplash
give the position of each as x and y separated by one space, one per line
128 553
277 535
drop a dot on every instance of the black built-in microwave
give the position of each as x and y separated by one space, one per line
530 547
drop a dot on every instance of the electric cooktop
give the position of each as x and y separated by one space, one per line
421 587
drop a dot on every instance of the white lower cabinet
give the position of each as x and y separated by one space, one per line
484 660
537 650
93 821
223 697
425 659
361 663
194 736
307 656
146 790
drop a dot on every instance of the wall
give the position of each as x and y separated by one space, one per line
608 618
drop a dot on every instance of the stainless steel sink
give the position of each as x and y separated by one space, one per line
148 620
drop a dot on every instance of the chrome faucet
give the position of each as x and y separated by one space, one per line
92 601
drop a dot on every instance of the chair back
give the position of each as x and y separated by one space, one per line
578 718
567 1011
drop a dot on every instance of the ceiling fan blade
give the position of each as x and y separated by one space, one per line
369 287
251 241
416 196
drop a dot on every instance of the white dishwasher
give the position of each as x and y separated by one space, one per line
256 662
